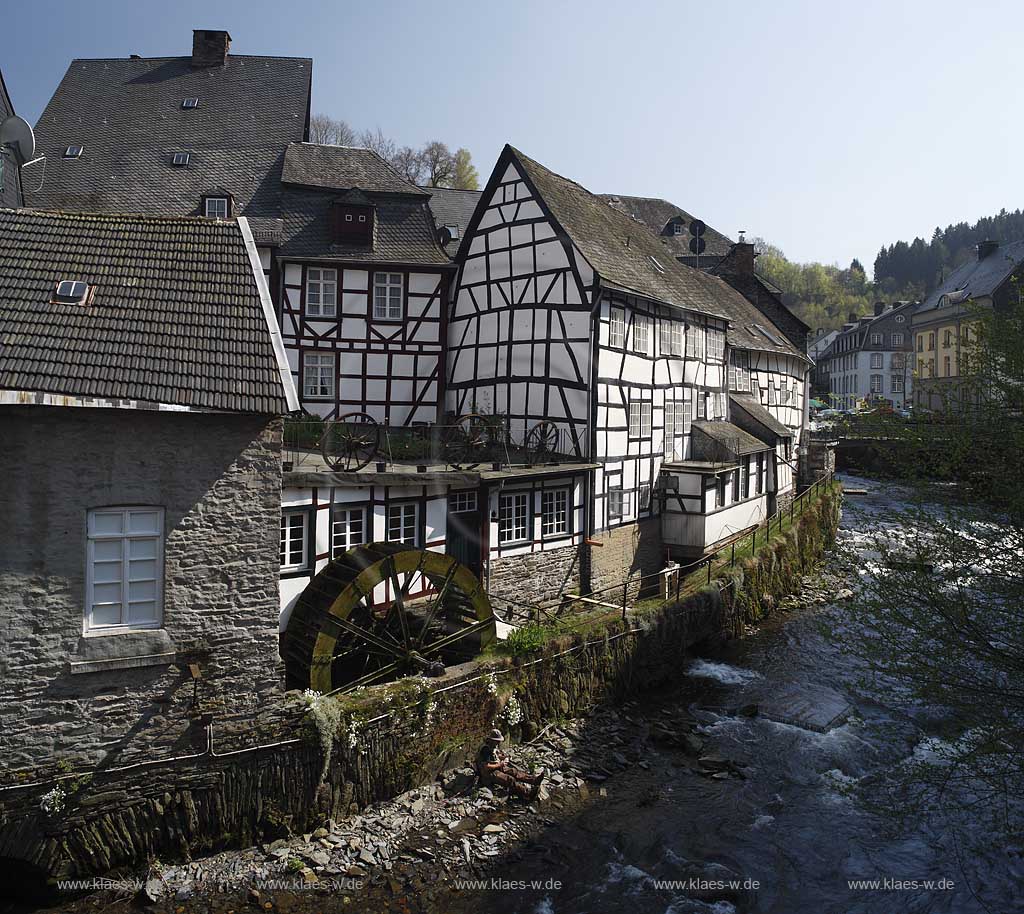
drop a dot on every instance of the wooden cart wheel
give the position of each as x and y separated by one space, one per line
466 441
541 442
338 639
350 443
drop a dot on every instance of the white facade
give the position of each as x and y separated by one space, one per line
348 353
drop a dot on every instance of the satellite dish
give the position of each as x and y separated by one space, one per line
16 135
697 244
697 228
444 236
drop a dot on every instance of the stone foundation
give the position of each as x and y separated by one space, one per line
351 751
535 578
626 554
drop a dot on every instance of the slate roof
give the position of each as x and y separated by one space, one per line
128 116
177 316
453 207
726 439
979 278
403 230
656 214
747 404
601 232
343 168
314 175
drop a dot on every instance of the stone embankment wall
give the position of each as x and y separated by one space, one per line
344 753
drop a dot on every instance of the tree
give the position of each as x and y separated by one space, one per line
383 145
409 163
939 611
439 164
465 176
325 129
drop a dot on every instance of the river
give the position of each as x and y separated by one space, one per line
799 827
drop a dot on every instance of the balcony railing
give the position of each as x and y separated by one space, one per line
472 442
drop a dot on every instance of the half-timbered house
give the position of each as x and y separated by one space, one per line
569 311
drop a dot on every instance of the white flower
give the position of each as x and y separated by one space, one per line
53 801
311 696
492 684
513 712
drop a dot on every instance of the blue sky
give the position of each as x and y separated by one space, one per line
827 128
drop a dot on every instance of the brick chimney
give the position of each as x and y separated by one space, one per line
210 47
986 248
879 307
742 258
853 317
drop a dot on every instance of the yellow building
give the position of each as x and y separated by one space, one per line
942 326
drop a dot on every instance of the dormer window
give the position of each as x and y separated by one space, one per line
678 228
453 230
72 292
216 208
73 152
190 102
180 159
351 220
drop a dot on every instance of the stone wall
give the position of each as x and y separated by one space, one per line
349 751
218 479
533 578
626 553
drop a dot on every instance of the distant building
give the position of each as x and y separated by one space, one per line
942 326
869 360
142 379
818 344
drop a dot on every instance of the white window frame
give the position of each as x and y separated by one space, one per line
98 540
514 518
388 306
876 339
640 415
403 517
896 381
643 499
695 341
321 292
876 384
554 512
316 362
343 537
641 334
715 345
876 361
617 328
618 502
289 539
897 340
214 212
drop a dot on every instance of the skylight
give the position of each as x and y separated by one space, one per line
190 102
769 335
655 264
180 159
73 152
72 292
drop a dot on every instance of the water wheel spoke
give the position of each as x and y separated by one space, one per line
436 604
391 650
368 678
449 640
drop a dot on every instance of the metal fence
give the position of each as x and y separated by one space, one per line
473 441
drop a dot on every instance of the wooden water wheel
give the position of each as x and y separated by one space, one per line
338 640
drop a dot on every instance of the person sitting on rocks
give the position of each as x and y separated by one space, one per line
492 767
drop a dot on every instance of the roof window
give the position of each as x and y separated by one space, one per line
453 230
72 292
678 228
180 159
73 152
216 207
190 102
769 335
655 263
